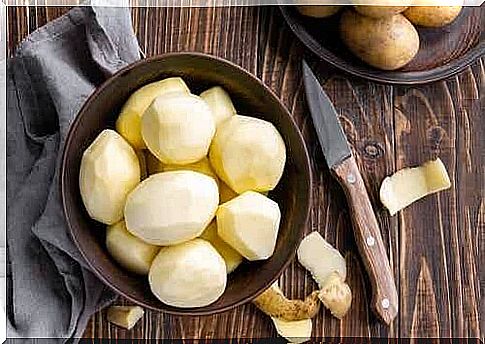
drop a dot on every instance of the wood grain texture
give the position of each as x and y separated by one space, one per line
436 246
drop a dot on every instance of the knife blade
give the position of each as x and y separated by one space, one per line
330 133
343 166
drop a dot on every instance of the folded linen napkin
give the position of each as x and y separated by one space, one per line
51 291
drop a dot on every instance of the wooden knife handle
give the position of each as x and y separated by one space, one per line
369 240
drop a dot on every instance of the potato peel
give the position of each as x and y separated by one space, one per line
320 258
328 269
408 185
275 304
125 316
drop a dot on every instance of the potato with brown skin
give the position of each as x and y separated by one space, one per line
385 43
317 8
380 11
432 16
318 11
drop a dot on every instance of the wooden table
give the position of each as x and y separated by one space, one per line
436 246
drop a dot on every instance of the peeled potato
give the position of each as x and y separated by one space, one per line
171 207
129 251
125 316
231 257
431 15
202 166
316 11
386 43
178 128
250 224
191 274
109 171
320 258
220 103
411 184
128 123
248 153
296 331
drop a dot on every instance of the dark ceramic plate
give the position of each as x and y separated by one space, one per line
252 98
443 51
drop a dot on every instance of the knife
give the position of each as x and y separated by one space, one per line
343 166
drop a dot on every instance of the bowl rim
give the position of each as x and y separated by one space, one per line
63 181
397 77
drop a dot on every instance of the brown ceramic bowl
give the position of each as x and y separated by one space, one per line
443 51
251 97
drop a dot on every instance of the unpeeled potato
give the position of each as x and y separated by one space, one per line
317 8
433 16
386 8
380 11
385 43
316 11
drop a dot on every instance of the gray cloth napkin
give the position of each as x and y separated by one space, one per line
51 291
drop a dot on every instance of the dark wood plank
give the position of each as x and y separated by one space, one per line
440 235
435 246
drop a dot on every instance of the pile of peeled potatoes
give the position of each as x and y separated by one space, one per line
182 186
385 37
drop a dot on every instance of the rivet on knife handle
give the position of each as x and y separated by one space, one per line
369 240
